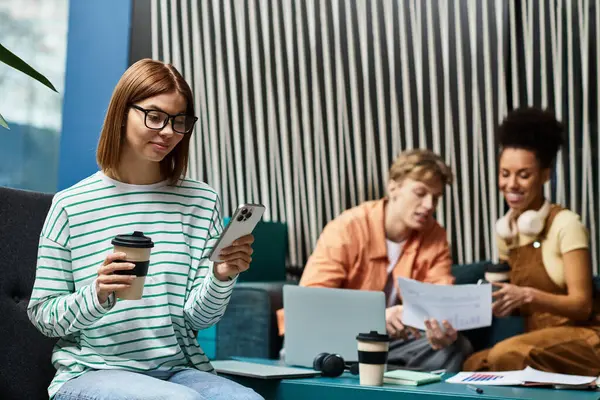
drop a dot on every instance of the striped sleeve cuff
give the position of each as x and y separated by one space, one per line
218 287
208 305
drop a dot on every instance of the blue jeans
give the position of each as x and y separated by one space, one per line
189 384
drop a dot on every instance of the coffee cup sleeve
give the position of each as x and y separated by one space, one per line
140 269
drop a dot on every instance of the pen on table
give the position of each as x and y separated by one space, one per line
475 389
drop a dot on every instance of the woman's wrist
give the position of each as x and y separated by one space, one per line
221 277
102 297
529 295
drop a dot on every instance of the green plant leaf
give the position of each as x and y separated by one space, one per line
14 61
3 122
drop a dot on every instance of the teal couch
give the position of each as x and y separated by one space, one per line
270 249
249 326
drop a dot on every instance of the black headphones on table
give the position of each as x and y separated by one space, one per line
333 365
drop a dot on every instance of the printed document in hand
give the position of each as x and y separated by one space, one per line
463 306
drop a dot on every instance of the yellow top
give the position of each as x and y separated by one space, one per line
567 233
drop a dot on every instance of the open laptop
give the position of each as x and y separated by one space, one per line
320 320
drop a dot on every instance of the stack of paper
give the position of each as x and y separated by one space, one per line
532 376
410 378
528 377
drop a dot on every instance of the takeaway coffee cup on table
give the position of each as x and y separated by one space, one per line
372 357
497 273
137 247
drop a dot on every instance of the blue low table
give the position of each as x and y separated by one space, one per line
347 387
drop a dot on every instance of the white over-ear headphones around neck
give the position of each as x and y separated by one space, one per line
529 223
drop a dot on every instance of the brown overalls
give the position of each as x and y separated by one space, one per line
552 343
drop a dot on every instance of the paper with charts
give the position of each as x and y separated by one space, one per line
464 306
526 376
506 378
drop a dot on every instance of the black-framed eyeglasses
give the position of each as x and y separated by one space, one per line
157 120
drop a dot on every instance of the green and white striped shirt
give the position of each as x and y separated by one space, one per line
181 294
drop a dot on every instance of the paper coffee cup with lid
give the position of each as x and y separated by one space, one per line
497 272
137 247
372 357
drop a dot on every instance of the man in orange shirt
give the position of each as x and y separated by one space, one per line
369 246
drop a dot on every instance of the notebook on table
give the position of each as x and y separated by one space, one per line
410 378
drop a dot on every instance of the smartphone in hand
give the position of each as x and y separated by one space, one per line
242 223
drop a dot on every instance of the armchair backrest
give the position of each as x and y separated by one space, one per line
25 367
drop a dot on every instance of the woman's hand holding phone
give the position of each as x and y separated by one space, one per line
235 258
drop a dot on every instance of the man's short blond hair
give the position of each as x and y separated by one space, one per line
421 165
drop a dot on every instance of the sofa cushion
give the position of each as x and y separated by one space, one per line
270 251
596 281
249 327
469 273
25 353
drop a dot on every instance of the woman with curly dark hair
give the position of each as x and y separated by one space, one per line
547 248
